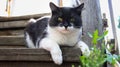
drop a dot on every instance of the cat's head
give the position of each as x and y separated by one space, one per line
66 19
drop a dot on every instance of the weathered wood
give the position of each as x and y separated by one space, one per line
25 57
13 24
12 40
70 54
12 46
5 33
26 17
92 19
11 32
116 48
36 64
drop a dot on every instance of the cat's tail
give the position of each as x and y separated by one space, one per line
32 20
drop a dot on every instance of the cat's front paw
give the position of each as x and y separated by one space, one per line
57 56
84 48
54 49
58 60
85 51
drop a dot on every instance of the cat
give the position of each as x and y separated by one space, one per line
64 27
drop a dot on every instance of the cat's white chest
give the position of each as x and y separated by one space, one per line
69 39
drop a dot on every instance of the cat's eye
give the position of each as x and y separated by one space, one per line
60 19
72 19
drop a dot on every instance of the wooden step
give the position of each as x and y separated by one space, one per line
26 17
26 57
12 41
13 52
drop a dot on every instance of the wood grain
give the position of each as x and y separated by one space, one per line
12 40
13 24
26 17
70 54
92 19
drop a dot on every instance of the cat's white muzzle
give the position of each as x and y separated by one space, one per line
65 30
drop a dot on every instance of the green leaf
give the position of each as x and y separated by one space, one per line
102 36
90 35
95 37
97 56
115 56
82 59
73 65
118 58
109 58
119 22
113 61
119 25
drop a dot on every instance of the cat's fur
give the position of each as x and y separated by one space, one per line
63 28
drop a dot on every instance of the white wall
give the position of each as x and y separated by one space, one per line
27 7
2 8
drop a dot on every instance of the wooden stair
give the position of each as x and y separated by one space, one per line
13 52
25 57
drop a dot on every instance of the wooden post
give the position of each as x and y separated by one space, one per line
113 26
60 3
92 19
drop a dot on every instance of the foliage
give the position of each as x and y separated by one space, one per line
119 22
95 37
98 56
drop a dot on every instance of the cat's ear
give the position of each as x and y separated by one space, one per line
79 8
53 7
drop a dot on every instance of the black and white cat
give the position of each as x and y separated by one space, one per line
63 28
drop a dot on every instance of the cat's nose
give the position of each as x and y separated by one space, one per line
66 25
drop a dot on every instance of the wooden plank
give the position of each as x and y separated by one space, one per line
11 32
5 33
36 64
26 17
13 46
12 40
70 54
92 19
113 27
13 24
